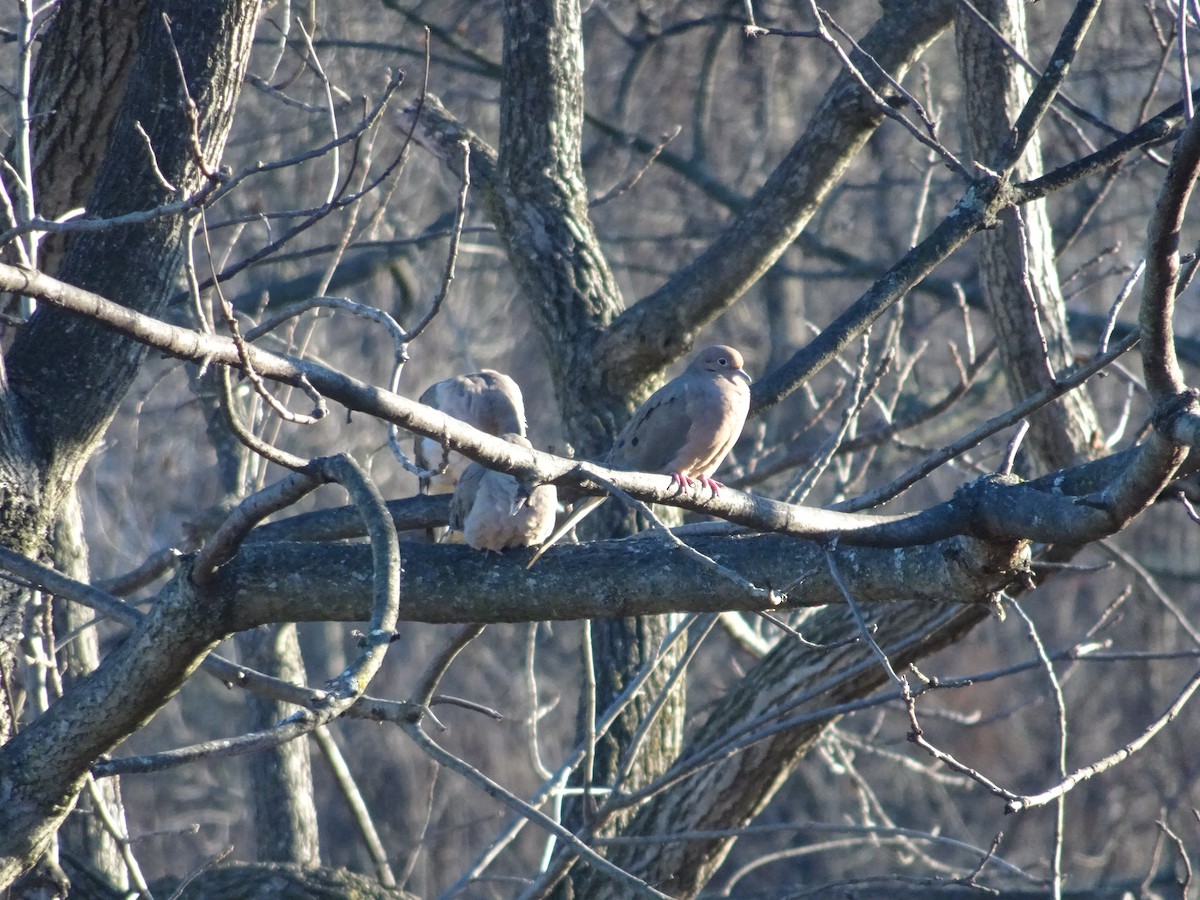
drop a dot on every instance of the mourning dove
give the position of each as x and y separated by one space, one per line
495 512
685 429
487 400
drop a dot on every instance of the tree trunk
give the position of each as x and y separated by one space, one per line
1017 268
558 260
285 814
75 82
84 836
65 375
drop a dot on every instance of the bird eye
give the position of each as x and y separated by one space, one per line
723 361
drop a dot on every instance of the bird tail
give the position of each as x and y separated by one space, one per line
576 516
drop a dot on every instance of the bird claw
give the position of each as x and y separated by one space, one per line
685 482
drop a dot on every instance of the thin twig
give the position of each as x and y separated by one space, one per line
427 684
997 423
1060 706
358 806
1019 803
320 410
629 183
460 214
1014 445
515 803
863 629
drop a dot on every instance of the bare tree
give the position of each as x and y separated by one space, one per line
898 209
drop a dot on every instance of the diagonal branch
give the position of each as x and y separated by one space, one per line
779 211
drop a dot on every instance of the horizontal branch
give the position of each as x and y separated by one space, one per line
639 576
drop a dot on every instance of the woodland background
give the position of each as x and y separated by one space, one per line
689 109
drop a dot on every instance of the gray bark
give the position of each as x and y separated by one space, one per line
542 218
84 836
285 814
65 375
1017 267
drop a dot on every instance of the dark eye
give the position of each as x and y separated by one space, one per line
723 361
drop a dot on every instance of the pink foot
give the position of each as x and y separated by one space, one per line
685 482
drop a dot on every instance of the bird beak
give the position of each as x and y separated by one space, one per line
742 372
521 500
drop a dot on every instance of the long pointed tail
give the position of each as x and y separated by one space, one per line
576 516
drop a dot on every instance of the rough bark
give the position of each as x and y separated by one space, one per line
65 375
545 227
285 813
77 81
789 684
84 836
69 373
76 84
318 582
1017 267
557 259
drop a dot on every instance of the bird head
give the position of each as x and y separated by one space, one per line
722 360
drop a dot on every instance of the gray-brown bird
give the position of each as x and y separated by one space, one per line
686 428
496 512
487 400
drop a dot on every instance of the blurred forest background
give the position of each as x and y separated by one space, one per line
688 113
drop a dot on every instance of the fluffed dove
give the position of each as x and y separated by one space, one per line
487 400
495 512
685 429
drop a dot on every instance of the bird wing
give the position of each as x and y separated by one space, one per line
488 400
687 426
465 493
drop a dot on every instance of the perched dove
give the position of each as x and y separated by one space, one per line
685 429
487 400
495 512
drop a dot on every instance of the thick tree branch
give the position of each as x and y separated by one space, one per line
771 221
1164 377
604 579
